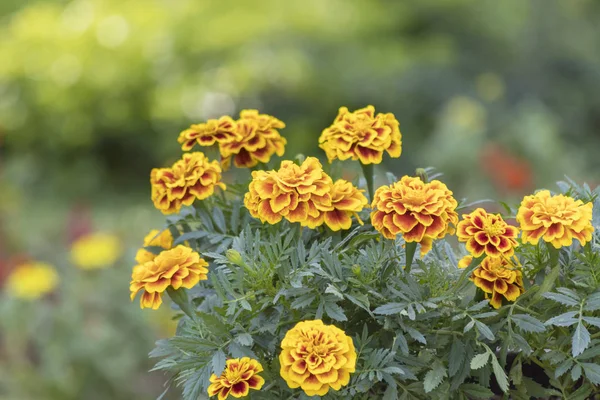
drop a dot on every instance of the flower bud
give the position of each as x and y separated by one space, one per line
235 257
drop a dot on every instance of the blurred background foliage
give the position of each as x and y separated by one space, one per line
500 96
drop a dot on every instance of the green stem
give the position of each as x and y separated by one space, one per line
368 172
180 298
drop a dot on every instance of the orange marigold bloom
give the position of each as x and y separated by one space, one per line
222 130
362 135
155 238
487 233
193 177
176 268
298 193
465 262
317 357
239 376
555 219
498 278
258 139
420 211
346 201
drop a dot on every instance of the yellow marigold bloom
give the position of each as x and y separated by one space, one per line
316 357
222 130
498 278
258 139
176 268
96 250
487 233
555 219
465 262
239 376
298 193
193 177
362 135
156 238
346 201
420 211
32 280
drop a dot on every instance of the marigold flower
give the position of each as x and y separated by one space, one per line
465 262
155 238
346 201
239 376
193 177
317 357
96 250
258 139
222 130
487 233
420 211
298 193
32 280
176 268
498 278
555 219
362 135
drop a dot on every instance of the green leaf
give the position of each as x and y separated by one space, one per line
218 362
480 360
528 323
476 391
576 372
415 334
516 372
592 321
565 319
193 235
548 282
390 309
456 357
484 330
410 248
561 298
581 339
590 353
592 372
500 374
244 339
335 312
303 301
434 377
593 302
563 368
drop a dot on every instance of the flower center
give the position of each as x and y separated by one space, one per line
493 228
233 376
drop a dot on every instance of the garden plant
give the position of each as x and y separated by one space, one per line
290 281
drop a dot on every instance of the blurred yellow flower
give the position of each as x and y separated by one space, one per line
155 238
489 86
257 140
317 357
346 201
190 178
96 250
32 280
555 219
362 135
239 376
298 193
176 268
420 211
498 278
222 130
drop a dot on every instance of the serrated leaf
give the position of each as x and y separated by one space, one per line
565 319
479 306
563 368
480 360
411 312
548 282
528 323
522 343
501 377
590 353
476 391
592 372
456 358
485 315
334 291
561 298
415 334
592 321
434 377
303 301
569 292
335 312
390 308
593 302
218 362
576 372
484 330
469 326
581 339
244 339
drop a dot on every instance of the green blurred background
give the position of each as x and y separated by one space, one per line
501 96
